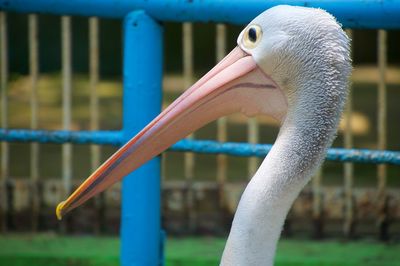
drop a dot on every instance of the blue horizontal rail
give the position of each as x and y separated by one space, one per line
186 145
62 136
372 14
261 150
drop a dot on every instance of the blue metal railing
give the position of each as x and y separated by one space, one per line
198 146
140 221
143 68
371 14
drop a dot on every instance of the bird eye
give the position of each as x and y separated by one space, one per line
252 36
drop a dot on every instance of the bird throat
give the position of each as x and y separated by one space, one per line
298 151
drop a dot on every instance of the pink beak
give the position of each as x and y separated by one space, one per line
236 84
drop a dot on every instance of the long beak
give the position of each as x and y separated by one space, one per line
235 84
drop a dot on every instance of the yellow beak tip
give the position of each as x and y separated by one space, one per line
58 210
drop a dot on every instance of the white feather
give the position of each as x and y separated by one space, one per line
305 51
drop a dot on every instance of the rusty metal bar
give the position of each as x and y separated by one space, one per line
222 123
189 159
66 100
94 80
317 203
348 173
348 226
252 137
95 150
34 76
382 126
4 121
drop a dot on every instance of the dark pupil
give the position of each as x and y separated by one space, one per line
252 34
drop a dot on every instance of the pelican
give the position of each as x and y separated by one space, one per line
291 63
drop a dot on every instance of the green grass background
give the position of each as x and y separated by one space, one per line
53 250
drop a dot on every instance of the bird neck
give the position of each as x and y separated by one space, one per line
305 135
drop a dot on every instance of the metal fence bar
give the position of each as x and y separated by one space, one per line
348 172
94 80
252 137
4 121
95 150
140 218
316 187
66 100
62 136
199 146
189 159
222 123
34 75
382 142
261 150
348 167
351 13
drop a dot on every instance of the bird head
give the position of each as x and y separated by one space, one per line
295 46
273 51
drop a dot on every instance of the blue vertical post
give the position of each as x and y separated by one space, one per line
140 221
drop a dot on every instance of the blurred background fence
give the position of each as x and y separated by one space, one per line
65 73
